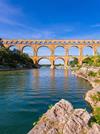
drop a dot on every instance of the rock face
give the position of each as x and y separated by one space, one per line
83 73
89 95
63 119
95 129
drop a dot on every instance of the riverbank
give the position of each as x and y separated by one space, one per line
14 60
92 75
89 74
94 81
12 69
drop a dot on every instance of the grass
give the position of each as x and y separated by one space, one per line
50 106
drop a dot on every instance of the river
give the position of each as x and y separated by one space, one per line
26 94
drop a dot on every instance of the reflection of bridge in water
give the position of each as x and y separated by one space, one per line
52 45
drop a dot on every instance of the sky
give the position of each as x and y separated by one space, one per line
50 19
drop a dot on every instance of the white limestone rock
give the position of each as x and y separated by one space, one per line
62 119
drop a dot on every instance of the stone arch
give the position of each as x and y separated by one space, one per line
44 61
59 61
74 51
28 50
88 51
12 47
59 51
44 51
98 50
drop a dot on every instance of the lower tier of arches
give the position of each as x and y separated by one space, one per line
56 61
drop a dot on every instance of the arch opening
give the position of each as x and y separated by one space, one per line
43 51
59 63
59 51
13 48
98 50
88 51
28 50
43 62
73 51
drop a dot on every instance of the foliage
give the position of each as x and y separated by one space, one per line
88 60
96 114
96 110
14 58
92 74
92 61
73 62
97 80
50 106
96 97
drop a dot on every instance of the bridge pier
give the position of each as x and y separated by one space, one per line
80 59
52 65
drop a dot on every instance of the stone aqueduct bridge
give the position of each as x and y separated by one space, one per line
52 44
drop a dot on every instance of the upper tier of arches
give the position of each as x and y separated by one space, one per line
57 51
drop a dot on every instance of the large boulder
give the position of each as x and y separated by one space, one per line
63 119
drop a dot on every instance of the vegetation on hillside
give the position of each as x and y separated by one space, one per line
92 61
96 109
14 59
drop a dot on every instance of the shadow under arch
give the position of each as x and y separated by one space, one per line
59 51
74 51
28 50
43 51
88 51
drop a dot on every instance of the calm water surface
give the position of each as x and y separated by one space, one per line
26 95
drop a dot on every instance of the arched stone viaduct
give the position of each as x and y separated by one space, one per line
52 45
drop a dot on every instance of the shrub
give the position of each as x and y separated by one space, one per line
96 97
14 58
97 80
88 60
92 74
96 114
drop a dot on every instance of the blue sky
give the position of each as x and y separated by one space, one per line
50 19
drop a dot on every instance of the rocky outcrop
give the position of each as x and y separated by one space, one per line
62 118
89 95
83 73
95 129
